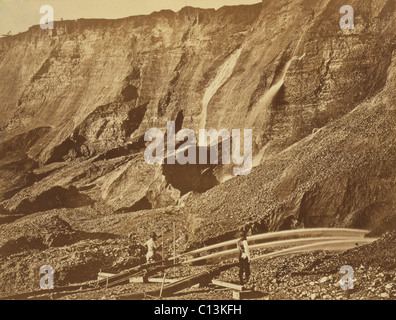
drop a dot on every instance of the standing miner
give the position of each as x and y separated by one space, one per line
151 248
244 257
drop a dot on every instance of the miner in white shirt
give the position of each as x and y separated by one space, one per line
151 248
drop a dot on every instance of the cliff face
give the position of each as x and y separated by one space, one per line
92 88
76 102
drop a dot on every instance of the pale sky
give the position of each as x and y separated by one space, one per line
18 15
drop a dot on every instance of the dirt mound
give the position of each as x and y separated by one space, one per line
379 254
38 232
55 197
75 263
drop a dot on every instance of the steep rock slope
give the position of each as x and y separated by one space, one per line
97 87
77 101
341 176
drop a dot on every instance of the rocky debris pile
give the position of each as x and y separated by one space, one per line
39 232
379 254
75 256
137 225
55 197
76 263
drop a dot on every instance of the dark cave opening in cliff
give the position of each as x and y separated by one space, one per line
191 177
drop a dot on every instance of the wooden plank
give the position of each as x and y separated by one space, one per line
227 285
105 275
151 280
240 295
136 280
158 280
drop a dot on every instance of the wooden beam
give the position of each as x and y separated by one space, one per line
227 285
240 295
136 280
105 275
152 280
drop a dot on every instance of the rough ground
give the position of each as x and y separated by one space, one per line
313 276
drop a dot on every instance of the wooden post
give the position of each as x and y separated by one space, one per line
163 257
174 244
163 284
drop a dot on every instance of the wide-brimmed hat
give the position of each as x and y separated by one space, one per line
153 235
242 233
